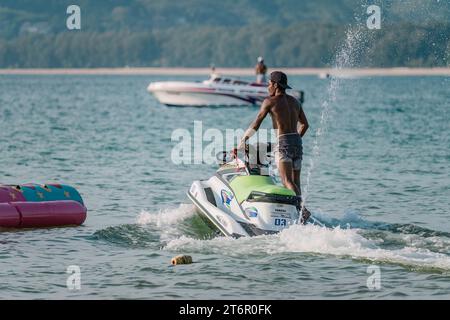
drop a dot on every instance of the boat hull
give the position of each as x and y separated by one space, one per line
207 94
199 99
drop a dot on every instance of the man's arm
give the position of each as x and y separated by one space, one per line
263 111
304 125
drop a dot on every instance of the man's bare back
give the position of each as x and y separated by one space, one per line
284 110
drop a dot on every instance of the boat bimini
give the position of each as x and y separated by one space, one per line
216 91
242 199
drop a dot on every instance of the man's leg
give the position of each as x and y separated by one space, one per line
296 177
305 212
286 175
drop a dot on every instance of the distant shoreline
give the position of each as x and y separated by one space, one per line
233 71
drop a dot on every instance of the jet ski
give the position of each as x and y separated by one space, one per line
242 199
216 91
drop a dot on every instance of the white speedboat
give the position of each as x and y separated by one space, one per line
216 91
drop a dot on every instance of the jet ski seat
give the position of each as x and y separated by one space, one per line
243 186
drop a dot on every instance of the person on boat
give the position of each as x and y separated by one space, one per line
286 112
261 71
213 74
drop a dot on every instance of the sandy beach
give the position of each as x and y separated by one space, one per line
233 71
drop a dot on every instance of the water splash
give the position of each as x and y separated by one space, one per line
351 236
355 44
167 217
339 242
152 229
167 221
176 229
352 243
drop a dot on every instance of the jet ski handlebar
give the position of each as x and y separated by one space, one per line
261 152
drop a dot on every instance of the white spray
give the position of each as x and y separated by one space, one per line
347 56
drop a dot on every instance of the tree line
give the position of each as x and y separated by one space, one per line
298 45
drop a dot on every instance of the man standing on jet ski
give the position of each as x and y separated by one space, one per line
286 113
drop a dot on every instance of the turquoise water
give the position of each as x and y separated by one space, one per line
378 176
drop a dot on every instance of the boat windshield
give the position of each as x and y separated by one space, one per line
230 81
240 82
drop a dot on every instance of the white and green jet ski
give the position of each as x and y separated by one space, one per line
243 200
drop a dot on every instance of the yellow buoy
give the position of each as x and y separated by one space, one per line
181 259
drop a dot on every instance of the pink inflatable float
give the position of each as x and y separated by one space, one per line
37 206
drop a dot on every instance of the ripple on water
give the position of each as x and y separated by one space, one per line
378 154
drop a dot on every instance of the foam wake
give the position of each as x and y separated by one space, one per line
152 229
179 229
351 243
167 221
412 250
166 217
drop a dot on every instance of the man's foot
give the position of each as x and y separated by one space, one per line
305 215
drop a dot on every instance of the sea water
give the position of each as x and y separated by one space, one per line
380 183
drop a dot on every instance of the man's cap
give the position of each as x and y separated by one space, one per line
260 59
280 78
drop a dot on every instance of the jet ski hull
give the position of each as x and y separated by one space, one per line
216 202
202 197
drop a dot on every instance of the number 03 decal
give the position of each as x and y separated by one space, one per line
280 222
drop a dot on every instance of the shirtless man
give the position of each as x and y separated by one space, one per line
286 113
